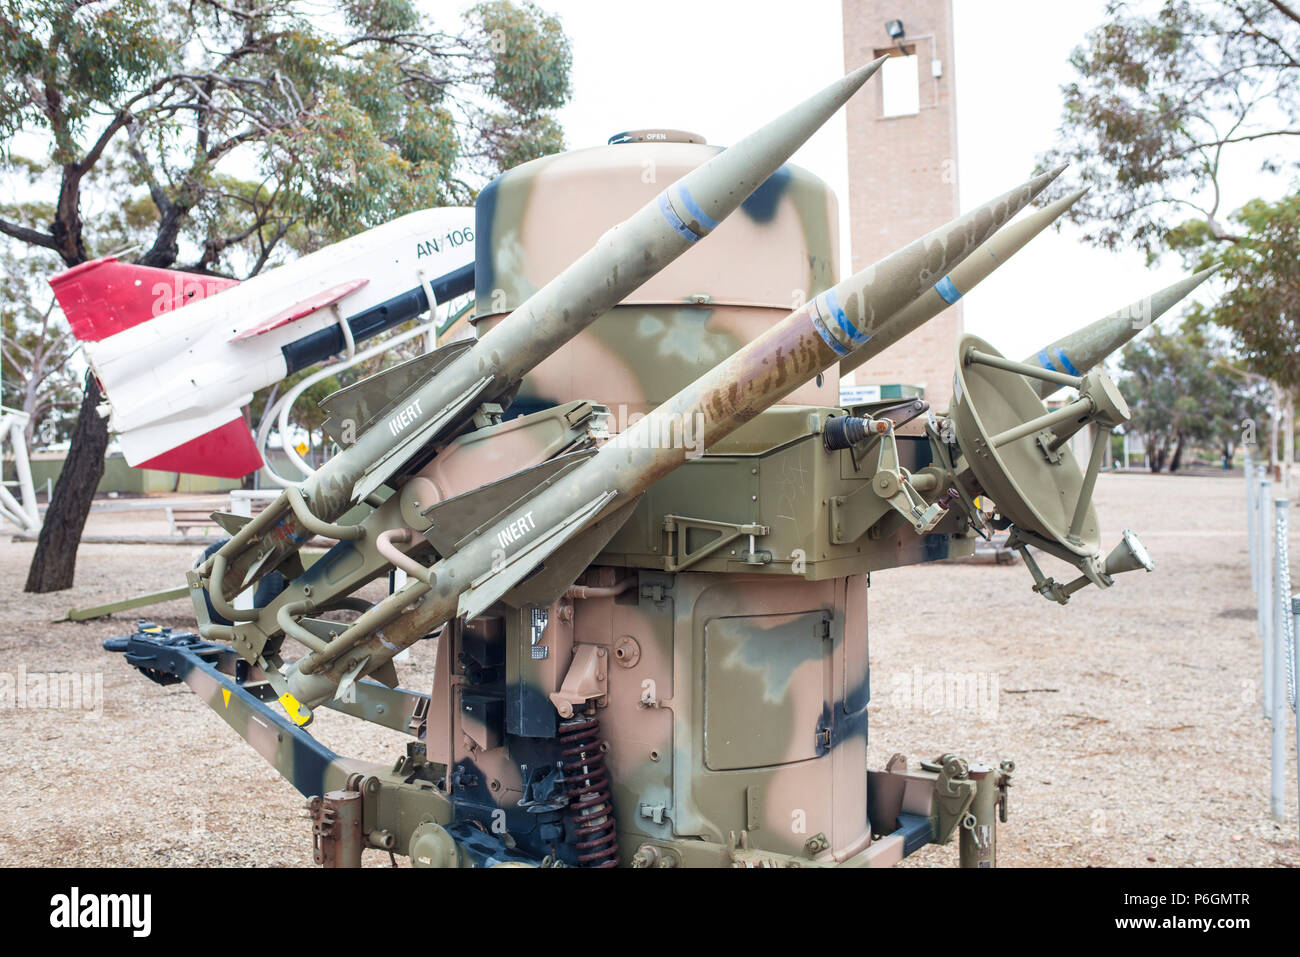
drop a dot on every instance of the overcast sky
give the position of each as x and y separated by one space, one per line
722 68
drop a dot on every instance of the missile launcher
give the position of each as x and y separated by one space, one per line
637 527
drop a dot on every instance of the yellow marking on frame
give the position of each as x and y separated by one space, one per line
225 696
294 709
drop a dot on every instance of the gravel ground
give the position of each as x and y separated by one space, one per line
1133 714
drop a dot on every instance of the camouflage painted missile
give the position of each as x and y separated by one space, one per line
623 259
964 277
1084 348
558 519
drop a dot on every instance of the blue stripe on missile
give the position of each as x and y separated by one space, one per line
675 221
1045 361
945 288
816 320
842 320
703 218
1066 364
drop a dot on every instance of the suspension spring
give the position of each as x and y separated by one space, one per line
586 781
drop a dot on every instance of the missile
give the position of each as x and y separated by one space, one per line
176 379
489 368
1084 348
964 277
571 512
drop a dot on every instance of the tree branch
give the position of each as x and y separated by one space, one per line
1285 10
27 235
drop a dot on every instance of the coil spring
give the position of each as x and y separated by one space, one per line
586 781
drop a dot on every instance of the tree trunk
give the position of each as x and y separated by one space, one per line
1157 450
55 560
1177 460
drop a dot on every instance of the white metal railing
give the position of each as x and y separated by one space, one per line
21 510
1268 537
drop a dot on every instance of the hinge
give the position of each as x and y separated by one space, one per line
823 742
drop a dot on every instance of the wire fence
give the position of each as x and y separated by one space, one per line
1268 538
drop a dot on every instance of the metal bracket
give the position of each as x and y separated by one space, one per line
1049 587
655 812
891 488
954 793
677 529
892 482
586 679
1049 445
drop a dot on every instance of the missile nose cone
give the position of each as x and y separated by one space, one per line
1040 182
706 195
1084 348
1172 294
1069 199
864 72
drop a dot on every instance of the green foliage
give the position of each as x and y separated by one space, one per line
1261 307
66 64
1169 94
1181 392
1166 93
257 129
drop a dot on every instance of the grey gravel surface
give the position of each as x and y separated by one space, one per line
1132 714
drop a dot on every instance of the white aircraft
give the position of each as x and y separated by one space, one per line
176 379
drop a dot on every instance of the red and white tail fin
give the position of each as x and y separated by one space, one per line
103 297
228 451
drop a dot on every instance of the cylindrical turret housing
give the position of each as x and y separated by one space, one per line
778 251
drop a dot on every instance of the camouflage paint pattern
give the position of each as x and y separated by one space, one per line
731 394
701 608
619 262
779 250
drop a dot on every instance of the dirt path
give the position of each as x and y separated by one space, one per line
1132 714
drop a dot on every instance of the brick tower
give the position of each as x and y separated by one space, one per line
902 142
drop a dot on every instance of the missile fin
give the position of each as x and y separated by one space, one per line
490 587
228 451
463 517
104 297
385 674
397 456
229 522
350 679
362 403
563 570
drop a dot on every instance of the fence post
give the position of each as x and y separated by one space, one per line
1281 663
1264 597
1295 690
1251 520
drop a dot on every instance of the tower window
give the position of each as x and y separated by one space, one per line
900 89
